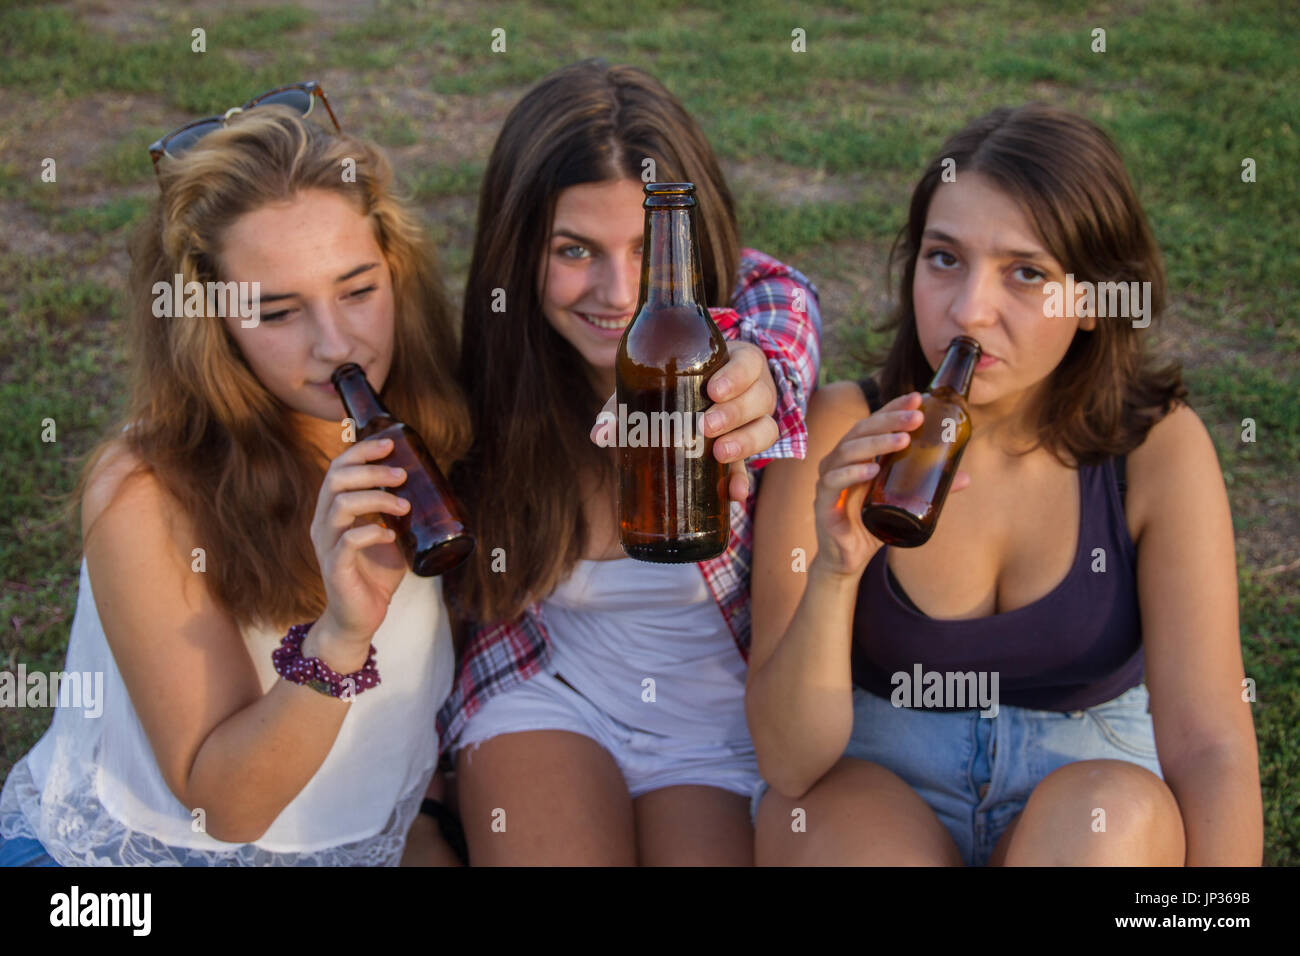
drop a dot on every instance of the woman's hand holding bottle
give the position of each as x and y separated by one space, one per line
360 563
844 546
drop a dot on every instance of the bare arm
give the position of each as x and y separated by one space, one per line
798 697
1187 584
220 743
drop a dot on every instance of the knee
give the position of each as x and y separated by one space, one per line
780 830
1113 806
859 814
1117 795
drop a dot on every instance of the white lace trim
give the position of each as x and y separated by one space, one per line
76 830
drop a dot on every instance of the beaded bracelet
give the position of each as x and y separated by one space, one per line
315 673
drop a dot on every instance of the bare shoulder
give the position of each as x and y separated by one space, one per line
839 397
832 410
835 407
118 472
1177 442
1175 467
123 491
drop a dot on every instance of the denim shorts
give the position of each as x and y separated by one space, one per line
24 851
649 761
976 773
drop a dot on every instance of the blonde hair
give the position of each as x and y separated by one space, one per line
202 423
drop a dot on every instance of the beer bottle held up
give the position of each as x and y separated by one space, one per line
904 501
432 535
672 493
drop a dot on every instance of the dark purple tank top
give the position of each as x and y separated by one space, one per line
1078 646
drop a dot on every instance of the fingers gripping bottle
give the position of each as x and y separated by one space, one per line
904 501
432 535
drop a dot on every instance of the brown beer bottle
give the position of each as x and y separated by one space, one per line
431 535
905 499
673 501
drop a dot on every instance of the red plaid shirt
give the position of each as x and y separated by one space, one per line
774 307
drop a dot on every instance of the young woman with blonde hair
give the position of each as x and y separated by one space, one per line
224 509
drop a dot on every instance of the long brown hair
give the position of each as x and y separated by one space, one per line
202 423
531 398
1107 391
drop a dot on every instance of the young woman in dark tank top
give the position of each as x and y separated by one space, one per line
1081 576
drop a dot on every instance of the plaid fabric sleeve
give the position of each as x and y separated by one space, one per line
779 311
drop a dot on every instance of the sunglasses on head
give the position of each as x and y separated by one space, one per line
299 96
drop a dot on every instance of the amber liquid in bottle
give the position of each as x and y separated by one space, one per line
432 535
904 501
673 501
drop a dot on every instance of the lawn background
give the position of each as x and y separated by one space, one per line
821 149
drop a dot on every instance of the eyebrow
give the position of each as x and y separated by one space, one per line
1000 253
570 234
343 278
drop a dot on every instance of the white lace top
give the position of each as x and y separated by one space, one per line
91 792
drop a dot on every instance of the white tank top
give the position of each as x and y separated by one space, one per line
614 625
92 793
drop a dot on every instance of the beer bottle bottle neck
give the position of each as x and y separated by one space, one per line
958 366
359 399
670 271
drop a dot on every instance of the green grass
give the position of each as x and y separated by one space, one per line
66 331
1237 390
461 179
1271 650
124 162
787 230
49 49
116 214
1186 91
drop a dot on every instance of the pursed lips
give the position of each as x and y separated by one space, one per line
330 385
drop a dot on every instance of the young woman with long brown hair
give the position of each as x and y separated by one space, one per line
1088 556
598 714
223 509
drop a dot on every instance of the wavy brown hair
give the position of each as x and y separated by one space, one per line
202 424
531 398
1066 173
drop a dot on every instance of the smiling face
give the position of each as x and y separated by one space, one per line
980 272
591 271
327 299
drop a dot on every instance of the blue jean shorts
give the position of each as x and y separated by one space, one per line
649 761
24 851
976 773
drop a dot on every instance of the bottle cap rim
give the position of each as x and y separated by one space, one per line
348 368
669 195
